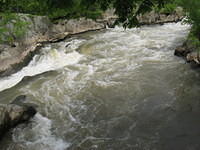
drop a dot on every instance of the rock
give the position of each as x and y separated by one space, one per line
160 18
111 22
19 100
41 30
15 113
193 57
182 51
109 18
189 51
185 49
74 26
59 37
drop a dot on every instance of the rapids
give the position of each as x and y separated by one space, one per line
109 90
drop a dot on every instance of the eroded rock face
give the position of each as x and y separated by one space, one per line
74 26
13 57
64 28
157 18
40 30
15 113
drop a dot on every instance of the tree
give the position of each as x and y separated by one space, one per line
192 9
127 10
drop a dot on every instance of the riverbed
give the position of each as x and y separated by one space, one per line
113 89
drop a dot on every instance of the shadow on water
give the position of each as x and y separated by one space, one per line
183 130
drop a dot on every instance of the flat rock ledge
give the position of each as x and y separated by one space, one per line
161 18
15 113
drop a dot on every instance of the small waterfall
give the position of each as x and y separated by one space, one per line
49 59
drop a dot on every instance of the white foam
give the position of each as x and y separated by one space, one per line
107 66
52 59
38 135
145 43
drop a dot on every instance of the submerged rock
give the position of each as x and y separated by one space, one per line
15 113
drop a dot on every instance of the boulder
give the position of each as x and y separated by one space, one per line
193 57
182 51
15 113
189 51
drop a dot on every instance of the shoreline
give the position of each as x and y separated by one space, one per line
42 32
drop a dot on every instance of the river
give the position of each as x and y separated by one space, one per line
114 89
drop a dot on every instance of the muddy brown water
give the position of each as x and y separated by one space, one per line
109 90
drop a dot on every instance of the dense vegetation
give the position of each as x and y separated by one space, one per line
12 27
77 8
127 10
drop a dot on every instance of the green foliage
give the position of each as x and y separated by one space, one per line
168 8
82 9
194 40
127 10
192 7
11 27
132 8
195 43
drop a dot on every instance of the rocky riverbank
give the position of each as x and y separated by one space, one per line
15 113
189 52
161 18
41 30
